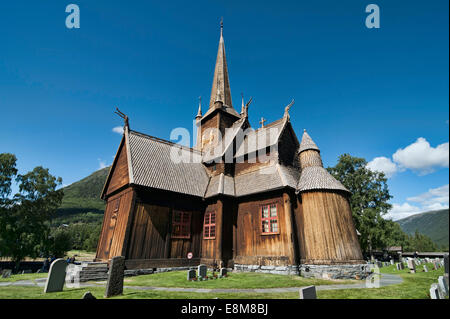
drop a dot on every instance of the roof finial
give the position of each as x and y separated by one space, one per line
125 118
286 109
221 26
199 113
242 105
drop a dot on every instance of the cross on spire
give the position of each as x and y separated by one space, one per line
263 120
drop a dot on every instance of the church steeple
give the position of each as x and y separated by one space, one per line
220 90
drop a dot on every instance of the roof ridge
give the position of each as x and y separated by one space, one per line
160 140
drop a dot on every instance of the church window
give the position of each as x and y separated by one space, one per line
209 225
269 219
181 224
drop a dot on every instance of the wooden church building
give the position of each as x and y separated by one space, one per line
248 199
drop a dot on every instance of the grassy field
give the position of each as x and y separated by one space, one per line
414 286
234 280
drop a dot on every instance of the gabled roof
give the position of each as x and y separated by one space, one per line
159 164
261 138
269 178
220 184
227 142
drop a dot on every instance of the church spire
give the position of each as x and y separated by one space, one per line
221 84
199 113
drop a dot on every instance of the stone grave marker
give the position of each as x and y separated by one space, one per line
392 261
223 272
191 274
379 264
436 265
26 271
56 276
443 286
88 295
308 292
446 263
425 268
202 271
6 273
114 285
412 266
434 292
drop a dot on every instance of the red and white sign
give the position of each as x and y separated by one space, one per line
189 255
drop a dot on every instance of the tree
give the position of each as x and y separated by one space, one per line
24 218
369 200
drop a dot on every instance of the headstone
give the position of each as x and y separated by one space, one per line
308 292
202 271
400 266
436 265
6 273
56 276
223 272
446 263
443 285
26 271
191 274
114 285
379 264
425 268
392 261
434 292
412 266
88 295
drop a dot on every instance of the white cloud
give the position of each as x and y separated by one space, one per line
399 211
118 129
433 199
421 157
383 164
101 163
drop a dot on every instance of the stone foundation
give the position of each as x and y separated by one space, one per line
358 271
281 270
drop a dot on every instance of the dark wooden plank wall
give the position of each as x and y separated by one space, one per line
250 243
111 242
150 230
327 234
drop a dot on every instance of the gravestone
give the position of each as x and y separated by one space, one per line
114 285
392 261
434 292
56 276
26 271
436 265
443 286
412 266
425 268
308 292
446 263
191 274
88 295
223 272
202 271
400 266
6 273
379 264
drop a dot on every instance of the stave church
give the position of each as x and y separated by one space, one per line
249 199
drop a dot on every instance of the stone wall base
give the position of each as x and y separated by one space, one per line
281 270
360 271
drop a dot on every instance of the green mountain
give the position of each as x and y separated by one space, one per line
81 201
433 224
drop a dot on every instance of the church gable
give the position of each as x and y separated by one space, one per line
118 175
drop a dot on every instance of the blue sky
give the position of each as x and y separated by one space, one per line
372 93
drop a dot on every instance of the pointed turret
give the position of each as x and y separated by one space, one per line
307 143
221 86
199 113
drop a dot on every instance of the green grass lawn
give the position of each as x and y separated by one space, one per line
23 277
414 286
234 280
